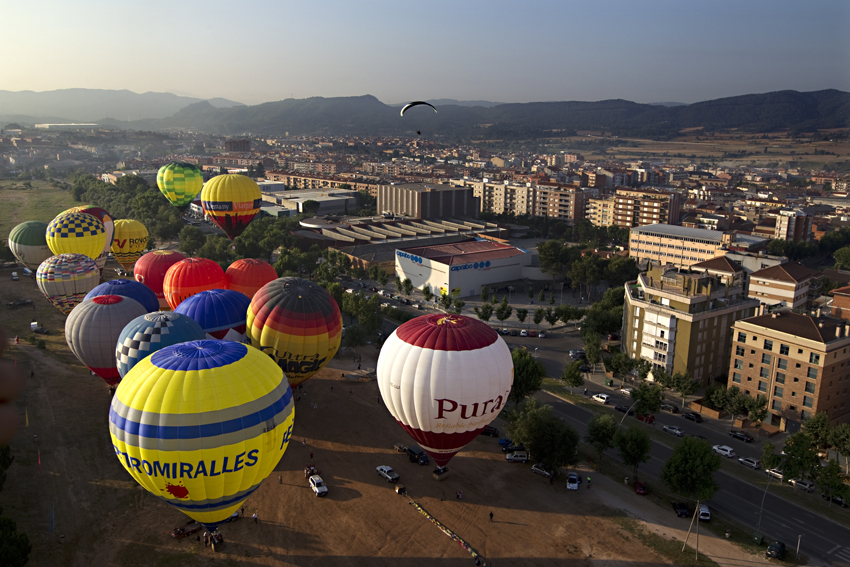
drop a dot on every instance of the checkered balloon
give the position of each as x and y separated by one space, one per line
76 233
147 334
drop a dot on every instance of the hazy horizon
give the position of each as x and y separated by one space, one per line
494 51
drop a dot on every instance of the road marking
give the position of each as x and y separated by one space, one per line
845 555
833 549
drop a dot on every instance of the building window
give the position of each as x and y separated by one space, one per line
739 364
812 373
768 345
783 364
783 349
814 358
739 351
792 408
808 402
736 377
810 387
765 358
780 378
776 405
742 337
778 391
762 386
804 415
763 373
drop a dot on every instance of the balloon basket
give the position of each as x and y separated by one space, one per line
440 473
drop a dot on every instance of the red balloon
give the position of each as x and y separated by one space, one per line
190 276
150 270
248 275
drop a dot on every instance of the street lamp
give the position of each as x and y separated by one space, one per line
627 413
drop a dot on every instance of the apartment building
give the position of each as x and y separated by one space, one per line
785 285
562 202
794 224
680 319
634 207
600 211
501 197
683 246
426 201
799 362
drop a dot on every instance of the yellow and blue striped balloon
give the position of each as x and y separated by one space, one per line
201 424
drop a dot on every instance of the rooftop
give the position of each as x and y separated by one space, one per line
466 252
674 231
792 272
719 264
427 187
819 329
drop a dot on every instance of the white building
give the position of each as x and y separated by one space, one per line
461 268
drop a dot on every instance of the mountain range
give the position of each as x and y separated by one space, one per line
367 116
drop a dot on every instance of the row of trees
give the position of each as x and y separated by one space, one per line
563 261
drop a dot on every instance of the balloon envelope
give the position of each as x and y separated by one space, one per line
180 183
66 279
127 288
28 243
221 313
297 323
103 216
190 276
231 201
130 242
76 233
148 333
92 330
443 378
201 424
249 275
150 270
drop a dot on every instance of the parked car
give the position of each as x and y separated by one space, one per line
541 335
15 277
584 368
691 416
681 509
704 513
532 333
625 409
601 398
387 473
724 450
640 488
523 333
673 430
517 457
669 407
400 447
740 436
417 455
835 499
647 418
318 485
514 332
490 431
752 463
504 443
775 550
806 485
626 391
506 331
573 481
540 469
512 448
417 306
775 473
384 305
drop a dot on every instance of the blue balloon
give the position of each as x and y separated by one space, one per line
128 288
148 333
221 313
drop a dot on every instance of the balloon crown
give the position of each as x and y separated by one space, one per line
107 299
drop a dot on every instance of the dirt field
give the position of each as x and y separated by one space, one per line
99 516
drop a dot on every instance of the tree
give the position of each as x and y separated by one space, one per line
621 363
457 305
715 397
685 385
484 311
689 471
634 446
446 301
503 311
801 458
572 375
398 283
757 409
586 270
427 293
818 427
601 432
620 270
541 296
485 295
551 316
839 438
310 207
647 398
593 348
662 377
539 315
407 286
552 298
736 403
383 277
521 314
842 257
528 375
191 240
14 547
769 458
355 336
336 291
260 170
829 480
548 438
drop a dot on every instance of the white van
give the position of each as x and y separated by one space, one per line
704 513
14 276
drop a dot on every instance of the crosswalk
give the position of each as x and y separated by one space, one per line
841 557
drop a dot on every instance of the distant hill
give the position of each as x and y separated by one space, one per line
668 103
451 101
87 105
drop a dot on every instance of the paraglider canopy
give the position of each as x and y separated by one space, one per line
416 103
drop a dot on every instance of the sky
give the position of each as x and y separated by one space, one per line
255 51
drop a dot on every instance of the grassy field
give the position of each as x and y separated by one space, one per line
31 200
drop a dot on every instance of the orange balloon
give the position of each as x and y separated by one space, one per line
248 275
190 276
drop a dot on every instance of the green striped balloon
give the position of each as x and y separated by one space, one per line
180 183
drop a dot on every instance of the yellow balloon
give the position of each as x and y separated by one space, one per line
232 201
76 233
201 424
130 242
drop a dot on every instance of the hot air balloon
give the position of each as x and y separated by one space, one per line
150 270
190 276
248 275
76 233
130 242
410 105
231 201
297 323
109 226
148 333
28 243
201 424
92 330
444 378
66 279
127 288
221 313
180 183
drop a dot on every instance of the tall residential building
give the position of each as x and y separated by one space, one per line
680 319
241 146
428 201
502 197
562 202
794 224
799 362
637 207
600 210
785 285
683 246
